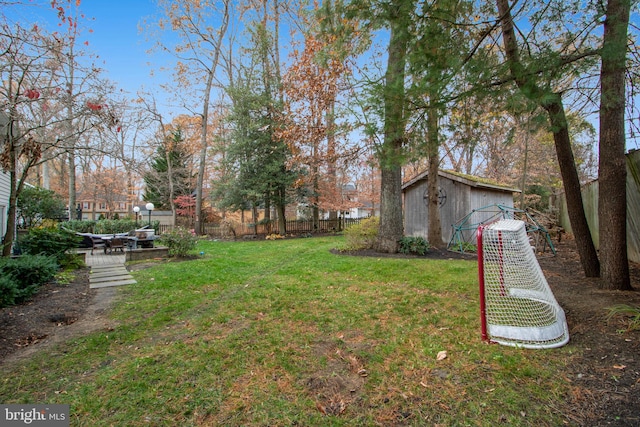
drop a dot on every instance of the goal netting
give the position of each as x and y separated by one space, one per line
517 306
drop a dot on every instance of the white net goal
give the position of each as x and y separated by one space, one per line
517 306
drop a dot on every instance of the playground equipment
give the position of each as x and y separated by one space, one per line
464 233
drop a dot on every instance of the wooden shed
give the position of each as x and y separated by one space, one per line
459 195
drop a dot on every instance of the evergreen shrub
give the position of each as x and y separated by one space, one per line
28 273
8 291
49 242
410 245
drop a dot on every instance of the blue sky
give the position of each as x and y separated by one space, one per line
111 28
117 41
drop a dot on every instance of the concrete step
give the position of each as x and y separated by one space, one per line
112 283
110 278
106 273
109 275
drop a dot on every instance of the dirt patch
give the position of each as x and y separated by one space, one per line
604 371
58 312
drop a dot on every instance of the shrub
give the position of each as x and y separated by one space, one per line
228 229
180 241
8 291
37 204
49 241
107 226
70 261
413 245
113 226
80 226
468 247
362 235
28 272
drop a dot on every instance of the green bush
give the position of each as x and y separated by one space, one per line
413 245
8 291
107 226
49 241
70 261
28 273
468 247
113 226
37 204
362 235
180 241
80 226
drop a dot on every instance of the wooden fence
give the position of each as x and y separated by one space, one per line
590 202
294 227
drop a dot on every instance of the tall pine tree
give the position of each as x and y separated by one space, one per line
169 174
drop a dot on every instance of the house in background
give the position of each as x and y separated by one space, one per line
5 187
458 195
92 210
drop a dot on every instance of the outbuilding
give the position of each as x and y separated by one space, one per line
459 195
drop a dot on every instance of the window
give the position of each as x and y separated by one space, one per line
86 206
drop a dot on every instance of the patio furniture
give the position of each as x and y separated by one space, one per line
98 243
114 244
142 238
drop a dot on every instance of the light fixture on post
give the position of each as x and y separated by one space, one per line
149 207
136 210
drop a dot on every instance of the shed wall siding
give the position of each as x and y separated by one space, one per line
461 199
415 211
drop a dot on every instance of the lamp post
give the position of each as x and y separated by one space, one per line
149 207
136 209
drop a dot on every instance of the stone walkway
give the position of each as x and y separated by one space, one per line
107 270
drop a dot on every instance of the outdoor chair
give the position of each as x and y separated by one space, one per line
98 243
115 244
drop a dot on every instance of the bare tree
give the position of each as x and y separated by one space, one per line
200 47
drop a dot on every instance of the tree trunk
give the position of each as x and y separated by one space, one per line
331 153
390 155
391 227
199 226
552 103
571 183
281 208
612 176
9 236
72 183
435 225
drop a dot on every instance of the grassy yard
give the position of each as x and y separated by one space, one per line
284 333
